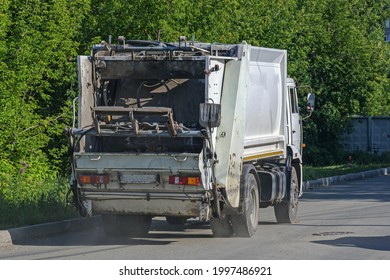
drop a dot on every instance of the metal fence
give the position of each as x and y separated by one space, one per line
369 134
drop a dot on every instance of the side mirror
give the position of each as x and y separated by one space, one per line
311 97
209 115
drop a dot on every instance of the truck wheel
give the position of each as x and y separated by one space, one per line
176 220
245 223
286 211
221 227
126 225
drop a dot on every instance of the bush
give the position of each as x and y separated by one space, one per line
323 155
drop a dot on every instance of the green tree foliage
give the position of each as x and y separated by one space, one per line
228 21
4 77
348 63
36 83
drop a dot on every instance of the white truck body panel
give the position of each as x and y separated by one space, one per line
253 124
265 132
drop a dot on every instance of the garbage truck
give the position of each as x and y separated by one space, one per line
185 131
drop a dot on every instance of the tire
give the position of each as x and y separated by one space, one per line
176 220
126 225
221 227
245 224
286 211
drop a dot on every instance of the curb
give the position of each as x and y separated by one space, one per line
328 181
17 235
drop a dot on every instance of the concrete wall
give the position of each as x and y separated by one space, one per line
369 134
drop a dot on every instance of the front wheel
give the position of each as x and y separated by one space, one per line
286 211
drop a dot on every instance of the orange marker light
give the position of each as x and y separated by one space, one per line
182 180
94 179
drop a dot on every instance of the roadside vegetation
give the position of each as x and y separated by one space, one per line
312 173
335 46
353 162
29 204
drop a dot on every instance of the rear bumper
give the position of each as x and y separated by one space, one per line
139 184
155 206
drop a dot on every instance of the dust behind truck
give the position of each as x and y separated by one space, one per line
185 130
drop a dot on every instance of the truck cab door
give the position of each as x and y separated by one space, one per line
295 118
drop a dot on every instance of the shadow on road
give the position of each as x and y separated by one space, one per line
161 233
378 243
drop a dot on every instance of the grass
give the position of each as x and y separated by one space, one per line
17 216
312 173
35 205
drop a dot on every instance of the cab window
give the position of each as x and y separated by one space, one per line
293 100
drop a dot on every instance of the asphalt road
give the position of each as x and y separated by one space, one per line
344 222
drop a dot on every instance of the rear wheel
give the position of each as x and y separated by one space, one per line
126 225
245 224
286 211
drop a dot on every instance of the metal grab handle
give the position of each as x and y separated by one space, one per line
180 160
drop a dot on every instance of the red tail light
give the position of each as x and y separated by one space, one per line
183 180
94 179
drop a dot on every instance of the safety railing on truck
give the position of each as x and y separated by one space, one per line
133 125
